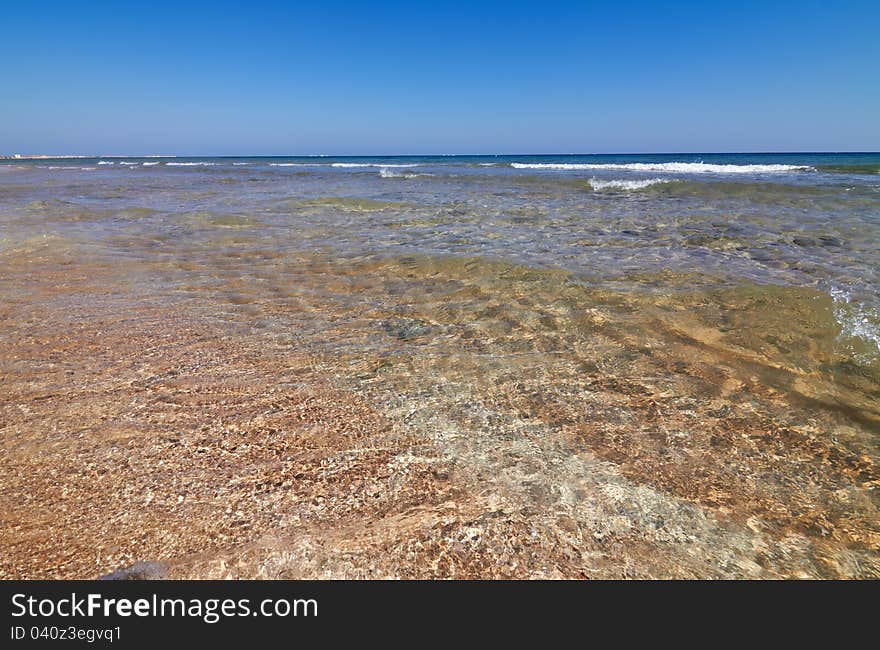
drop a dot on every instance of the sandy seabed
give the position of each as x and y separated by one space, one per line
460 419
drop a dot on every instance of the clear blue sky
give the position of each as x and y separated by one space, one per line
257 77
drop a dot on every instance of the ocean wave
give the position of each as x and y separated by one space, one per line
385 165
289 164
857 321
123 162
621 184
668 167
106 162
858 169
390 173
191 164
237 164
150 164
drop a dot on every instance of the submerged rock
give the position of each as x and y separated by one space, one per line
407 328
139 571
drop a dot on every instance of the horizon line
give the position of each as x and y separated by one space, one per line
427 155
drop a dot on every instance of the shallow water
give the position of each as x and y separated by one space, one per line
662 313
638 223
774 255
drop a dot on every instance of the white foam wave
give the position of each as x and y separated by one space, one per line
385 165
857 321
390 173
668 167
150 164
622 184
341 165
191 164
106 162
128 163
241 163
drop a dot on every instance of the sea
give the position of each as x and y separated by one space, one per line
655 365
635 223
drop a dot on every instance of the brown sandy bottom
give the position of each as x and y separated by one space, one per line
424 419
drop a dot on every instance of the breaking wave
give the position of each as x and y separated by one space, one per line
384 165
621 184
390 173
668 167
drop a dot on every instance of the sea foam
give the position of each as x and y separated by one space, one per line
390 173
857 320
384 165
668 167
621 184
